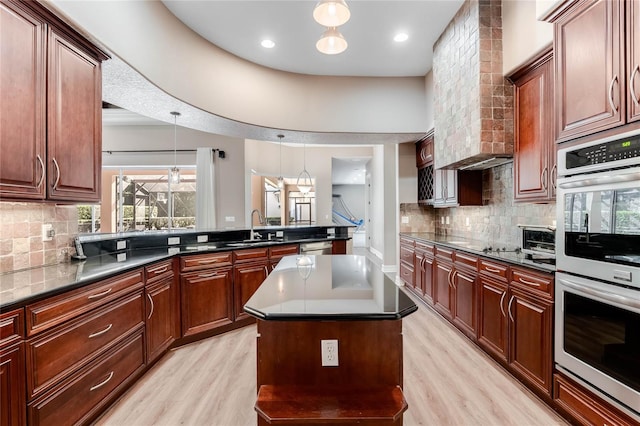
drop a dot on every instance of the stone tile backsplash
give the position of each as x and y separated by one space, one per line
21 245
494 222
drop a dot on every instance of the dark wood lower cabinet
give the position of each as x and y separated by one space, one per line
465 312
442 287
247 279
162 325
12 385
206 300
493 322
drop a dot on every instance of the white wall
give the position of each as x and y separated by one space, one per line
407 173
522 34
229 171
153 41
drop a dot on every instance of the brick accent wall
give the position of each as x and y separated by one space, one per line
473 102
21 244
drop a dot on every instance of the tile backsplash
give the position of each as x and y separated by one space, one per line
21 244
494 222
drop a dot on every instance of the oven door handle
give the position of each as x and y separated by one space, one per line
602 180
615 298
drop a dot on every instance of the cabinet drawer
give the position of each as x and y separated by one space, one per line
533 281
467 260
496 270
158 270
58 352
204 261
11 326
406 254
248 255
407 274
404 241
445 253
425 247
582 406
81 397
278 252
43 315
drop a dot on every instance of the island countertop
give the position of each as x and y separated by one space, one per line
343 287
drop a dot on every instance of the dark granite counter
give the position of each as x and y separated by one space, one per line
500 251
22 287
328 288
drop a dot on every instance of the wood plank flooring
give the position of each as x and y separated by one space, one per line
447 381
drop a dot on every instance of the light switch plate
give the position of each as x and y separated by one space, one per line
203 238
121 245
171 241
230 218
279 234
405 219
122 257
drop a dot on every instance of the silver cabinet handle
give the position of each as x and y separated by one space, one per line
98 333
504 293
214 274
159 270
554 176
98 295
632 84
101 384
55 163
522 280
495 271
266 270
509 308
41 168
614 108
152 306
543 178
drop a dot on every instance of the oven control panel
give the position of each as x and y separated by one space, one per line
607 152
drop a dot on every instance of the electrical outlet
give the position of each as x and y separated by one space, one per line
203 238
47 232
466 220
229 218
405 219
447 220
329 353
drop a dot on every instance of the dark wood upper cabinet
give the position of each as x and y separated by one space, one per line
424 151
50 85
534 159
591 77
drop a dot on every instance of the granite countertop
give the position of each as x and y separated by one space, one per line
478 247
22 287
328 288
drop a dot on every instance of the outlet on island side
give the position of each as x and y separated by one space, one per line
329 350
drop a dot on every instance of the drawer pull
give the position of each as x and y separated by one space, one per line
152 305
98 333
98 295
101 384
522 280
159 270
214 274
490 269
207 262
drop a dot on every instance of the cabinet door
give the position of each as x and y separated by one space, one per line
22 110
438 186
442 287
534 142
451 186
206 300
492 323
464 313
427 278
424 152
530 332
633 61
12 386
418 272
590 73
74 122
247 279
162 324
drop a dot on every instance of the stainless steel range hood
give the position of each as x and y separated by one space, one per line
487 164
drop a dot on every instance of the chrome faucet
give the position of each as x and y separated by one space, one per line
255 235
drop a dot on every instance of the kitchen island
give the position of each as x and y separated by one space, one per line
329 342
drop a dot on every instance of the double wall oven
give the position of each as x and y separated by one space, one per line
597 335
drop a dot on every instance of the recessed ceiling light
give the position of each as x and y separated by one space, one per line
400 37
269 44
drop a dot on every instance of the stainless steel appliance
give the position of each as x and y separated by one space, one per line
597 311
318 247
539 244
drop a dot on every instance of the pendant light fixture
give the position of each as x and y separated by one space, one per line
331 13
174 174
304 182
331 42
280 178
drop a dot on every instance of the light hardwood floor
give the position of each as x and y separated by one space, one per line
447 381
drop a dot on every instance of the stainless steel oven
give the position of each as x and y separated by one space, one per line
597 312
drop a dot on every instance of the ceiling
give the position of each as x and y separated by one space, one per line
239 27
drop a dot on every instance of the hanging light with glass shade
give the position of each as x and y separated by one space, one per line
331 42
280 178
331 13
174 173
304 182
